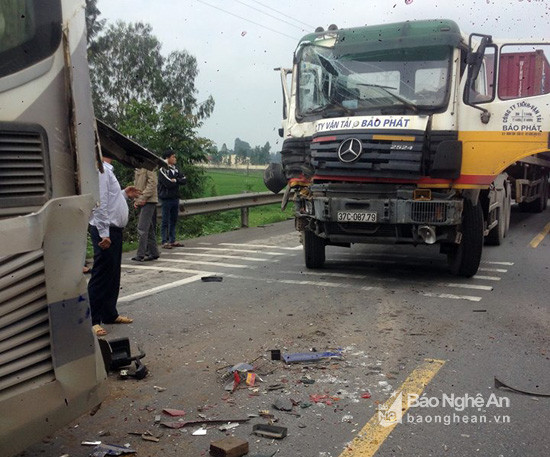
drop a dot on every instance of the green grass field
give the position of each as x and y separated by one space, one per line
230 182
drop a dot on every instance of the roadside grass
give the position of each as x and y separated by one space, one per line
220 182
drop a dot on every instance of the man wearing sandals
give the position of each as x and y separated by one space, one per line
169 180
106 225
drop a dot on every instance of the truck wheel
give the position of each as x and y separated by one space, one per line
464 258
314 250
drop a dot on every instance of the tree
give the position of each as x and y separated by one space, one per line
94 25
242 150
127 65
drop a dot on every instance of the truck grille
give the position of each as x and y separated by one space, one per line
23 176
25 351
382 156
428 212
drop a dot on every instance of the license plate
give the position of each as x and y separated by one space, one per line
356 216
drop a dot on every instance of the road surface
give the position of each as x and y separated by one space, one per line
401 322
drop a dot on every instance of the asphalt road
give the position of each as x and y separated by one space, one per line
400 320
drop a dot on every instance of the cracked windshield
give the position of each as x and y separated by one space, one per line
397 80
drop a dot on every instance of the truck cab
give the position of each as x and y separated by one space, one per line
397 134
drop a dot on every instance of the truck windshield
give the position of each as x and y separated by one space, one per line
406 80
30 31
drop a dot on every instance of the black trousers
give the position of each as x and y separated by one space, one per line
104 284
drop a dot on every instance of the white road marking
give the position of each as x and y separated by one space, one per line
487 278
164 268
266 246
203 262
319 273
451 296
154 290
290 281
488 262
465 286
247 251
224 256
493 270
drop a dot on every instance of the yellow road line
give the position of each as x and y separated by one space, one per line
377 429
538 239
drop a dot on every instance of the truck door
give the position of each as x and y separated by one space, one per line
506 112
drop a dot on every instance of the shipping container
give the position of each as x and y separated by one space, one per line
523 74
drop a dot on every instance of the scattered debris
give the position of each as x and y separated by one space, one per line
269 431
300 357
90 443
212 279
326 399
366 395
275 387
500 385
199 432
242 367
111 449
479 310
283 404
228 426
181 424
275 354
229 447
347 418
174 412
159 389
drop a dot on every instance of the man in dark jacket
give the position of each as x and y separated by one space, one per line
170 179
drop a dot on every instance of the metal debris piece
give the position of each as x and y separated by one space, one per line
500 385
269 431
300 357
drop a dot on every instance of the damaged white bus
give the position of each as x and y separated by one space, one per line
50 366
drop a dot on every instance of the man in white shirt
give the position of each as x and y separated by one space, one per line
106 225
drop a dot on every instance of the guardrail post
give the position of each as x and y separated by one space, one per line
244 217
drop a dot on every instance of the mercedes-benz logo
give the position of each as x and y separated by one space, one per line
350 150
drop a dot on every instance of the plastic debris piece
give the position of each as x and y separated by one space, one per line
300 357
199 432
182 424
159 389
269 431
90 443
275 354
366 395
250 379
174 412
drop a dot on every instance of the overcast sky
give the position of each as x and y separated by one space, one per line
238 43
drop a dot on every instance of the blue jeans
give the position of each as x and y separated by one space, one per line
170 209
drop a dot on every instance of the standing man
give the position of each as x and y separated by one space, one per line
106 224
146 181
169 181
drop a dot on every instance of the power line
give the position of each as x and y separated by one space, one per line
270 15
283 14
248 20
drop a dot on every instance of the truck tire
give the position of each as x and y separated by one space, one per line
314 250
464 258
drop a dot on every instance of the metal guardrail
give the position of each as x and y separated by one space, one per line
243 202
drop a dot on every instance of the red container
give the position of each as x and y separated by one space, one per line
522 74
